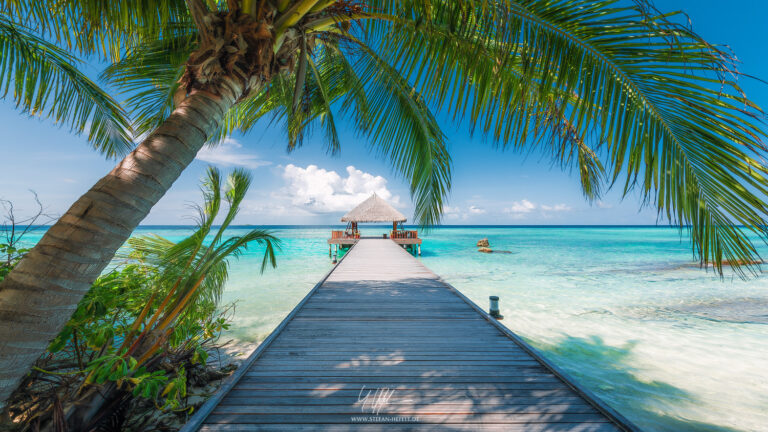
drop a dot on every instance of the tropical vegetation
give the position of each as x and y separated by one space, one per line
144 325
628 96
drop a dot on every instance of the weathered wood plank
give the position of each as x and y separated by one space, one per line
397 355
405 373
309 364
403 409
405 348
519 418
383 380
373 384
444 399
454 391
389 427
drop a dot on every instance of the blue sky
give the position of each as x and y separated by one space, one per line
310 187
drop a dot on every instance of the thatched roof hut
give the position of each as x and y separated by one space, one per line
374 209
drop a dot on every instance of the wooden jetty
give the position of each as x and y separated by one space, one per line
382 343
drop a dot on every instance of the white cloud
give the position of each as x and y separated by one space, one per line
269 209
228 153
603 205
323 191
476 210
450 210
523 206
556 208
453 213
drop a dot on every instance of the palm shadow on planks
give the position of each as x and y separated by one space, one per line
446 364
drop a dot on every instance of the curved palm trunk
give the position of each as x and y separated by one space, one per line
41 293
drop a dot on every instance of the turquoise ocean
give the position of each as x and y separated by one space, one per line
623 310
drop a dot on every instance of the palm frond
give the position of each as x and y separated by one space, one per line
192 272
402 129
331 134
44 80
660 105
149 75
103 28
384 109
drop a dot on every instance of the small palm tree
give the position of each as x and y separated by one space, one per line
623 93
191 278
196 267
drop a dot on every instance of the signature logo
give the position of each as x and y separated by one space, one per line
373 401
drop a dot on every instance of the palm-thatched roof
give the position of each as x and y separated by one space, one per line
374 209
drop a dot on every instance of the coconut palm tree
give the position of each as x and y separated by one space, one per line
618 90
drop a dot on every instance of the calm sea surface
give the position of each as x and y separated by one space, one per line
625 311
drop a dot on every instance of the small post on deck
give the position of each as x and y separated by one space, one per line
494 311
330 250
418 247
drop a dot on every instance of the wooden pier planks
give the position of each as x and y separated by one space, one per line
384 326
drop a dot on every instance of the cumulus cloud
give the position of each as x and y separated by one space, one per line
324 191
603 205
453 213
229 154
476 210
556 208
523 206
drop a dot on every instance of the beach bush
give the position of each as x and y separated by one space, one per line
87 353
104 320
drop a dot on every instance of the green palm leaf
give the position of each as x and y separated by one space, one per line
203 257
44 80
366 90
621 93
149 76
650 97
103 28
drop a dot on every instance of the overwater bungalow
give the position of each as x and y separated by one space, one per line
374 210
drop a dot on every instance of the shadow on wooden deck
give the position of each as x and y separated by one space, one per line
383 340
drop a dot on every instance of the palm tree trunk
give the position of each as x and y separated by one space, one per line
41 293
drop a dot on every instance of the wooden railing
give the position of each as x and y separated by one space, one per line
343 235
399 234
403 234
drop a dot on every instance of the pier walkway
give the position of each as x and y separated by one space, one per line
382 343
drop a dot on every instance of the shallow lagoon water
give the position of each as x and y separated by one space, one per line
625 311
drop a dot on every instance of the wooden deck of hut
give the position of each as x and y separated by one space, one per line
382 343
